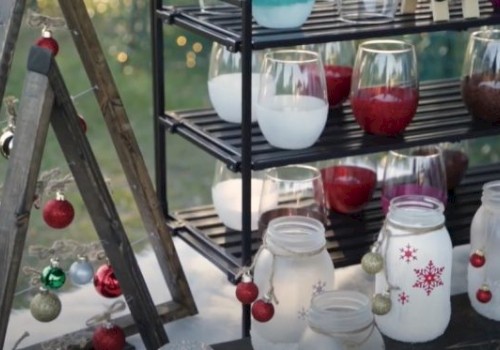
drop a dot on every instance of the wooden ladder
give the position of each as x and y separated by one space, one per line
45 99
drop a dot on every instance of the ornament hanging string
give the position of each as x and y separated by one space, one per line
105 317
284 251
10 109
388 234
37 20
21 338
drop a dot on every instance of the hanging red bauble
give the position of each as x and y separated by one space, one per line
58 212
477 259
48 42
106 283
108 337
83 123
246 290
263 310
483 294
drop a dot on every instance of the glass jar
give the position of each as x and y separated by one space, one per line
281 13
416 275
340 320
367 11
483 273
294 266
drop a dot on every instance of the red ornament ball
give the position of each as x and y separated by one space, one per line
477 259
108 337
483 295
262 310
48 43
58 213
247 292
106 283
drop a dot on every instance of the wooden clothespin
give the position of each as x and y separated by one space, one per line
470 8
440 10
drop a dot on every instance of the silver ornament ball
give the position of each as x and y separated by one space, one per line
45 306
81 271
372 263
381 304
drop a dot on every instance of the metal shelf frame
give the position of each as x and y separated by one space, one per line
234 27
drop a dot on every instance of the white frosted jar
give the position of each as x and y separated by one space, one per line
339 320
417 253
483 273
294 258
281 13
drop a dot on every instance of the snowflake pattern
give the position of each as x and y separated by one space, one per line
302 314
318 288
429 277
403 298
408 253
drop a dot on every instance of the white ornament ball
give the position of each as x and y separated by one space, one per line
81 271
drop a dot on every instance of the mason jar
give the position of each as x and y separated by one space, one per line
416 276
339 320
295 266
483 272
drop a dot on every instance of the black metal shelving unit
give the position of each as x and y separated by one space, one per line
441 116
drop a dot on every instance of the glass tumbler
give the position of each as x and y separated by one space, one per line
224 82
281 13
292 105
338 59
384 90
414 171
481 75
367 11
349 183
227 197
291 190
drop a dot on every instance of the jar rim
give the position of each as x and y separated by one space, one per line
485 35
415 211
491 191
407 152
272 173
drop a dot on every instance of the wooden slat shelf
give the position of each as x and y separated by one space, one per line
441 116
322 25
348 237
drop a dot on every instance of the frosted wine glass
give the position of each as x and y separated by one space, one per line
384 89
481 75
227 196
338 60
414 171
292 105
349 182
224 82
293 190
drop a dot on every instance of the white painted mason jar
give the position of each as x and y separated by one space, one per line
296 266
483 275
417 252
339 320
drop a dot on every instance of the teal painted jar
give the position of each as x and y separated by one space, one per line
281 13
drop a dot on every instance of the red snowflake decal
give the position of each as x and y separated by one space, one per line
408 253
429 277
403 298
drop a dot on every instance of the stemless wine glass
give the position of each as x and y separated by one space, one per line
456 161
338 59
292 190
349 182
227 196
384 90
281 13
417 170
481 75
224 82
292 105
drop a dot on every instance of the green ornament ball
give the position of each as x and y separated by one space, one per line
381 304
372 263
45 306
53 277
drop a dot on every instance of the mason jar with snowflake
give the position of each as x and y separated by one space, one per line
413 279
292 266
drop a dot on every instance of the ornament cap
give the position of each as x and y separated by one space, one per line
59 196
246 278
54 262
46 33
479 252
